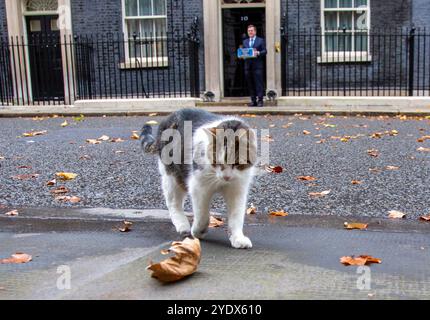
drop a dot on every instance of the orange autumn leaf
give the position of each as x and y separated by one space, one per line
135 135
274 169
319 194
355 225
251 210
356 182
12 213
281 213
359 261
71 199
306 132
126 227
425 218
394 214
306 178
18 257
184 263
373 153
25 176
66 175
215 222
60 190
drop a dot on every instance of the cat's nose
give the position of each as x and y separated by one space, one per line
227 178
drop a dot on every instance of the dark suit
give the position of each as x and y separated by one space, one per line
254 69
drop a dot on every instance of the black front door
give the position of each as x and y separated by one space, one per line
235 25
45 58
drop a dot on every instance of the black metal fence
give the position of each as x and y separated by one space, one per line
367 63
47 69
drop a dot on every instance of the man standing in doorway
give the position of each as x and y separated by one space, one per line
254 67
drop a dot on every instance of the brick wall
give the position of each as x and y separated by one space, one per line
98 18
3 21
389 59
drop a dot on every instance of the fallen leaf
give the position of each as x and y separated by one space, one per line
281 213
25 176
394 214
356 182
93 141
422 149
392 168
85 157
18 257
65 124
215 222
273 169
71 199
355 225
377 135
152 114
184 263
306 178
12 213
267 138
2 158
80 118
319 194
51 183
306 132
373 153
248 116
126 227
423 138
116 140
119 151
135 135
251 209
359 261
24 167
66 175
34 133
425 218
60 190
103 138
152 123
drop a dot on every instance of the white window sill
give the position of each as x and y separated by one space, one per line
345 57
145 63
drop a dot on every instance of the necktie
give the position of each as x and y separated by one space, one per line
251 44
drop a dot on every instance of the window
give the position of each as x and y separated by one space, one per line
145 25
41 5
345 27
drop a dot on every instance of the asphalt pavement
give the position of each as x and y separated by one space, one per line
294 257
117 175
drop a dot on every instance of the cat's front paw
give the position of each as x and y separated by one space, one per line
183 228
199 233
240 242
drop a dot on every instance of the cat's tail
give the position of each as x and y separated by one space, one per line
147 140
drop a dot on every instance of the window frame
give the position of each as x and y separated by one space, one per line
344 55
153 61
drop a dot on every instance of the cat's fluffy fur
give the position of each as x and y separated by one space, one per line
203 179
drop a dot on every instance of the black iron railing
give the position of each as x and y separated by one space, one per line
365 63
47 69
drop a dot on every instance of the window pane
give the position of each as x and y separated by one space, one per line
345 20
132 27
331 42
361 41
331 3
331 21
147 27
345 3
130 8
345 41
159 7
145 8
359 3
160 27
361 21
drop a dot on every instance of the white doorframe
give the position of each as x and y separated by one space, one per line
15 15
213 44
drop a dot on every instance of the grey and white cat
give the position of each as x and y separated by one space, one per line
218 165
